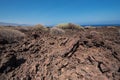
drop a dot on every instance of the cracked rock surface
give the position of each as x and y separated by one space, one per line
90 54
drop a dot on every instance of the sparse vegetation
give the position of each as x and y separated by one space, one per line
69 26
10 35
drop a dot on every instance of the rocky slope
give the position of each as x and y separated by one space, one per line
89 54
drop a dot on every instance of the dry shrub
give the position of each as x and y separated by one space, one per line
23 28
56 31
69 26
1 27
40 27
119 31
96 37
10 36
19 28
94 34
7 27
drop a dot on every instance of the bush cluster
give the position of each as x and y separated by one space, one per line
40 27
10 35
56 31
69 26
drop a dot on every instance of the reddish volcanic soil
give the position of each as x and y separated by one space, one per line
89 54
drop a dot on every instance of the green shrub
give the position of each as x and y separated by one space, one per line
69 26
10 35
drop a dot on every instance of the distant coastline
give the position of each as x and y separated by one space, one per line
101 25
84 25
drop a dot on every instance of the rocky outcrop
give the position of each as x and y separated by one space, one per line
90 54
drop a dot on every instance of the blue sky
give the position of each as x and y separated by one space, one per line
50 12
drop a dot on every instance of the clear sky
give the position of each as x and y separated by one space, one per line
60 11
